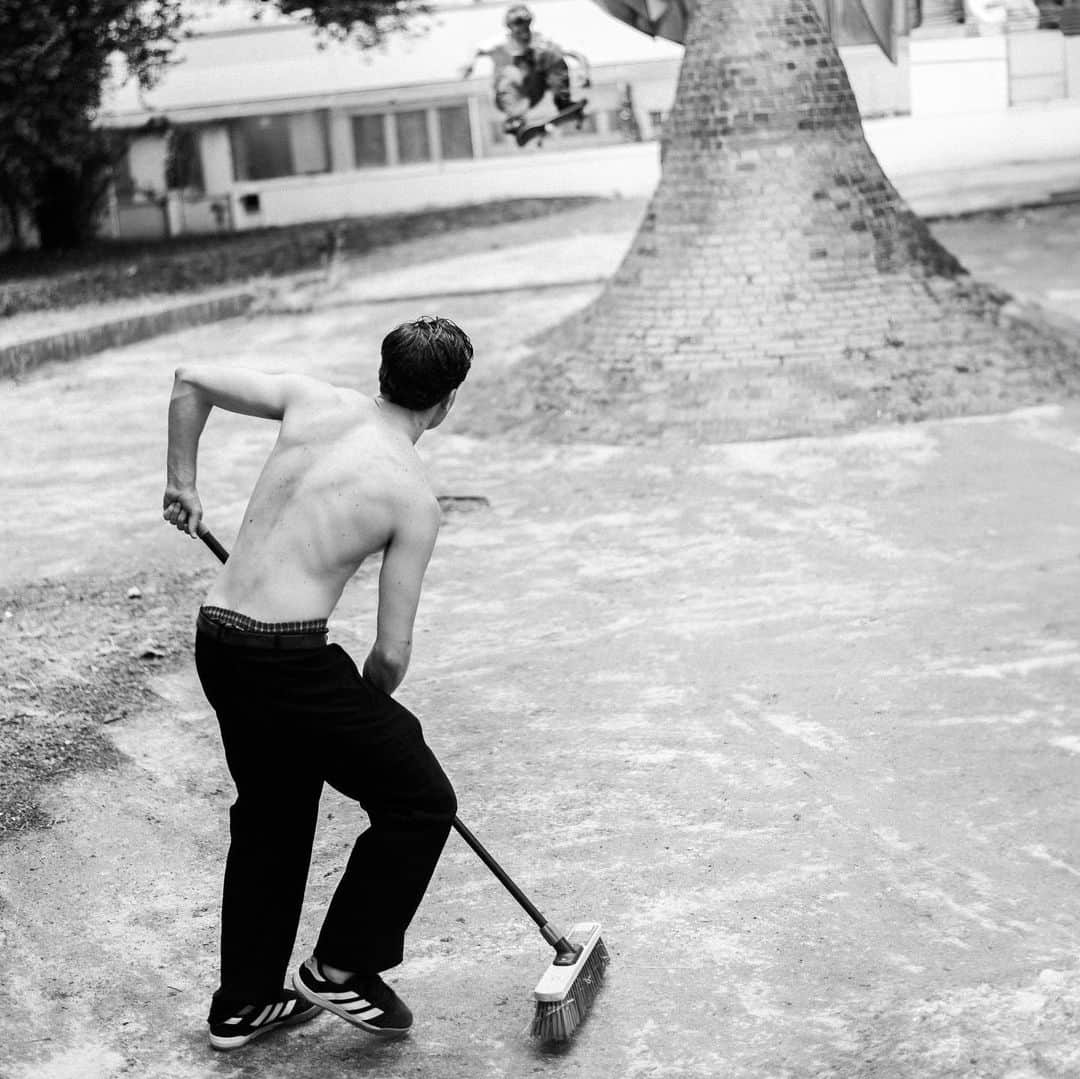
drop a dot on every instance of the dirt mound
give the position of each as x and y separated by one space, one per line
985 353
78 654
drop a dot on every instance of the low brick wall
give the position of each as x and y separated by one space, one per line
18 358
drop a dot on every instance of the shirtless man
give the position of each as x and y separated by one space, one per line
342 482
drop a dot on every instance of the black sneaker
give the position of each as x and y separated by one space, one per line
234 1025
365 1000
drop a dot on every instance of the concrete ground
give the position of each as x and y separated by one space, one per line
795 720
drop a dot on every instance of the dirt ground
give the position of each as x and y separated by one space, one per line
795 720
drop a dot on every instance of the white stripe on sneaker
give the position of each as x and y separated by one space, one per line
275 1013
343 997
261 1017
361 1006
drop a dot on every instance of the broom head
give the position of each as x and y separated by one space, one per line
565 994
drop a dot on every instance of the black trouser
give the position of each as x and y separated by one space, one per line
290 721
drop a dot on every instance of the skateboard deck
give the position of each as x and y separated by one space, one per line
538 131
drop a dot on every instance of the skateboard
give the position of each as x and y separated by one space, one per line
538 131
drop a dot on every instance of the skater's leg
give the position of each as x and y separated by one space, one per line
555 76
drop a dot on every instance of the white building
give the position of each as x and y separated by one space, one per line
263 123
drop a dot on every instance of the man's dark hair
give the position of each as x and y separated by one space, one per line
422 361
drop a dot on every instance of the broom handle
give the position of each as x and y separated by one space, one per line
549 932
523 900
211 541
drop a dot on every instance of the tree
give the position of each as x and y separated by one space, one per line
778 283
55 58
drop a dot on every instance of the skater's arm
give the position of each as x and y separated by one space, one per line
481 52
467 69
405 561
583 61
196 390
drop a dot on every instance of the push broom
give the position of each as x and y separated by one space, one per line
568 987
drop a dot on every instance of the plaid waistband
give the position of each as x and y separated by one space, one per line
224 617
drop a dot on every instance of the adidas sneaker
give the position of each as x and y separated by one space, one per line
234 1025
365 1000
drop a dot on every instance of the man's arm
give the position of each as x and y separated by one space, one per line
197 390
404 563
466 71
480 52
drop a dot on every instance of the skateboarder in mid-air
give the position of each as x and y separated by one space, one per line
342 482
526 66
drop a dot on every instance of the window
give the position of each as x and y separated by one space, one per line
285 144
412 136
261 147
369 140
183 164
309 143
455 132
123 182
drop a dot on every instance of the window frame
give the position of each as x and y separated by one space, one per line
466 110
432 129
237 124
388 138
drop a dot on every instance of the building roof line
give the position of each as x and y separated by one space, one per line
274 22
337 98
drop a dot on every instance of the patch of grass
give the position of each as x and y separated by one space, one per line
119 270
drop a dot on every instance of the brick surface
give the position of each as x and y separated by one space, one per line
778 283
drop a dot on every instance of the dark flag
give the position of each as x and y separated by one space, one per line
657 18
668 18
879 14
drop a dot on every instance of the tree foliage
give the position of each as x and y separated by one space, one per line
365 21
55 58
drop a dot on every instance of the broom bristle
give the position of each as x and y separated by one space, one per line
564 995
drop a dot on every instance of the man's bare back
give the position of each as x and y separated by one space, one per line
341 483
